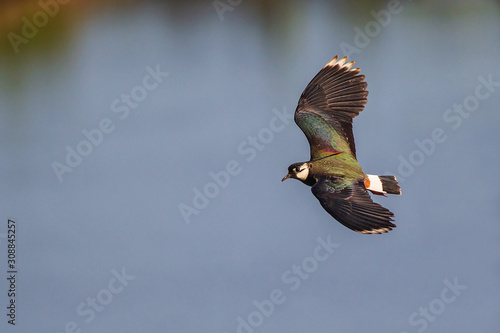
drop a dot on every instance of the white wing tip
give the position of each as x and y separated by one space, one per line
332 62
375 231
341 63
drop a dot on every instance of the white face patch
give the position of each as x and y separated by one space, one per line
303 172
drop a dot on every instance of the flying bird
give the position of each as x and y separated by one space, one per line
324 113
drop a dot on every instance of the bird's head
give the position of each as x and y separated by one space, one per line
298 171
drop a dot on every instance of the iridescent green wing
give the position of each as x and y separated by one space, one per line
351 205
326 108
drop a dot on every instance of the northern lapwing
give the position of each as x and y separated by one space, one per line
324 113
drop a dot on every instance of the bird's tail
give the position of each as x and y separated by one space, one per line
381 185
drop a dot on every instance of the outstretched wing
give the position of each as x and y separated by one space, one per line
326 108
352 206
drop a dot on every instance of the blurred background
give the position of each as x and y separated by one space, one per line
143 144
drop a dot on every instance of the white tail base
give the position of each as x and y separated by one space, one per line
375 184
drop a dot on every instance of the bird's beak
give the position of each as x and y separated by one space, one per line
286 177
